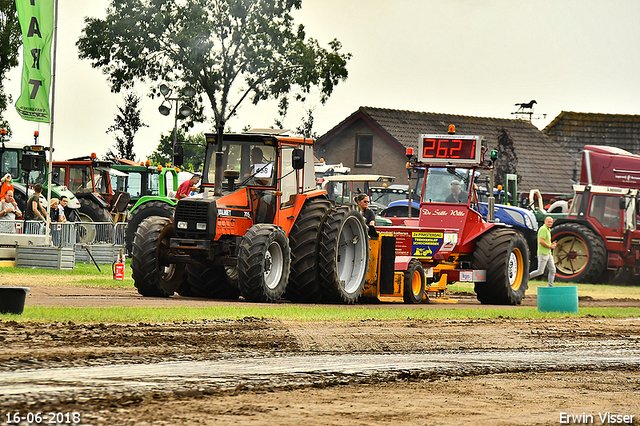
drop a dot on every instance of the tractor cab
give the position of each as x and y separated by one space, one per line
264 174
90 180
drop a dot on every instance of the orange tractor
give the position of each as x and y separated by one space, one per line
258 228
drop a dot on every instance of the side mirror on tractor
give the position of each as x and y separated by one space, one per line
297 159
178 155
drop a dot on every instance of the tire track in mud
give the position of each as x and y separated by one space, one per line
51 386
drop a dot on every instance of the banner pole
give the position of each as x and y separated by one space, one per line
51 119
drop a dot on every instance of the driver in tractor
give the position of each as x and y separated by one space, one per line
261 169
456 196
263 201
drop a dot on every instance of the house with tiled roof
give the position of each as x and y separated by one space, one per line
374 140
573 130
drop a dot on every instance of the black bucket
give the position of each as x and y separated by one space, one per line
12 299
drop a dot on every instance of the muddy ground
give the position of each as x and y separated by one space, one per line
485 372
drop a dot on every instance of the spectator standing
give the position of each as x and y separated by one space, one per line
69 213
545 257
187 186
54 212
35 210
9 211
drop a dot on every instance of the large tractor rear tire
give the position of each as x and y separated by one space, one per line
92 212
264 261
414 282
580 254
150 208
210 283
153 275
304 240
89 212
504 255
343 255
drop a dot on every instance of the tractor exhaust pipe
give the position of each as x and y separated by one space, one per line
217 187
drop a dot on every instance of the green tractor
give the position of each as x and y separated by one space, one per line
147 186
27 166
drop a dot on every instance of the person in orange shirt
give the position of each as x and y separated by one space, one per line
6 185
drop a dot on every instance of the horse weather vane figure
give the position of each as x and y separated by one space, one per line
526 109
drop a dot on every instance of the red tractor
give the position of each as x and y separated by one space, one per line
599 241
88 178
259 228
449 237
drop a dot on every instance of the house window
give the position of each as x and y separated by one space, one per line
364 150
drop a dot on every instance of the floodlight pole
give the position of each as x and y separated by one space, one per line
177 100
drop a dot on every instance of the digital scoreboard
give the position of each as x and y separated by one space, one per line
450 149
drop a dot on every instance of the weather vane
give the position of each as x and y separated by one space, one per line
526 109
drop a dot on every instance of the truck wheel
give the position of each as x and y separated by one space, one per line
153 275
151 208
343 255
210 283
264 261
503 254
304 240
580 254
414 284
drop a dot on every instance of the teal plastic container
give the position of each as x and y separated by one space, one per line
558 299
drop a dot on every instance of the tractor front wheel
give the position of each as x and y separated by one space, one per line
503 253
264 262
153 276
148 209
414 282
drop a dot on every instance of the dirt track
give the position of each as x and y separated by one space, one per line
525 372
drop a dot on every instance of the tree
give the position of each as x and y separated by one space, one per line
10 42
194 150
219 47
306 127
128 122
507 161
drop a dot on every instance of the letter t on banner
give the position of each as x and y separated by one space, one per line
36 22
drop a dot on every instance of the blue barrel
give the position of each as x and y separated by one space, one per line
558 299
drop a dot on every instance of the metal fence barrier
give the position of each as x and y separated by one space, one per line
67 234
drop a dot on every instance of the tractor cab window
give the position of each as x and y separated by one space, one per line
9 164
131 184
288 182
59 176
80 179
37 176
102 181
575 205
153 183
256 163
606 210
447 185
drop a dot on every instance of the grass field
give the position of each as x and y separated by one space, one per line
88 276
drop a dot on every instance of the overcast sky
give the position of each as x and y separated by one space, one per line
466 57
